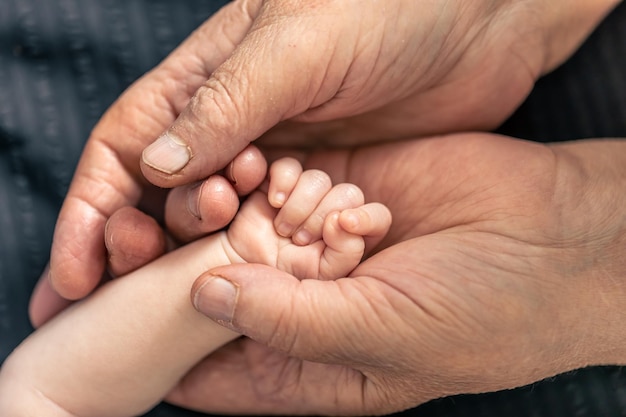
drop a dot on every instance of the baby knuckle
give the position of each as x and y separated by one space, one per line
318 179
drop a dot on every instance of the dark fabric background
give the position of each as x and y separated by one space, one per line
63 62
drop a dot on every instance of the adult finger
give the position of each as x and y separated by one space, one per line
247 170
280 69
45 303
236 297
132 239
312 322
192 211
197 209
108 176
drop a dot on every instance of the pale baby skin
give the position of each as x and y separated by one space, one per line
121 350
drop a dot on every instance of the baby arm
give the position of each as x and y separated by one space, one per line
120 351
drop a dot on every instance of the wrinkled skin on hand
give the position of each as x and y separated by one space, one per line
347 72
333 71
503 267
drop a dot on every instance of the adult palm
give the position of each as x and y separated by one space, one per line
354 71
489 279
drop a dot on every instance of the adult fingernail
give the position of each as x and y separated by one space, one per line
167 154
231 173
193 200
217 299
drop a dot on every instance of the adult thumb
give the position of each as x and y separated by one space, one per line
278 70
307 319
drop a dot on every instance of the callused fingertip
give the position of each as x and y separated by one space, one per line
167 154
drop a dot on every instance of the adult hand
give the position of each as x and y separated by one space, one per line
504 266
357 71
210 206
363 70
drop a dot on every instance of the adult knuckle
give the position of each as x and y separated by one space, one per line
215 103
284 335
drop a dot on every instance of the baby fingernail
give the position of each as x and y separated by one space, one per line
352 219
279 199
302 237
284 229
167 154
